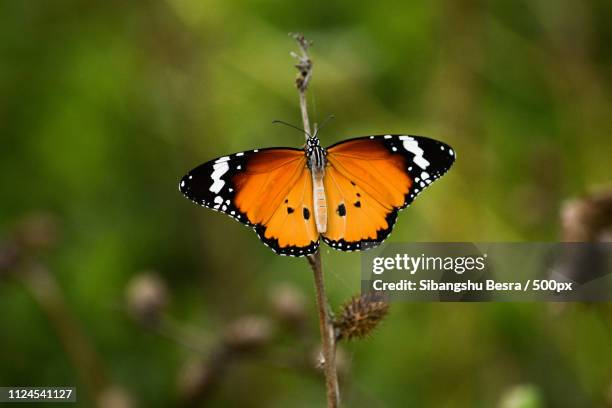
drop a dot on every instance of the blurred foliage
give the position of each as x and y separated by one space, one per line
104 105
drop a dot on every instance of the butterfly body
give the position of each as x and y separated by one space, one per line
316 163
348 194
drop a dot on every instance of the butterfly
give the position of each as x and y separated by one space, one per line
348 194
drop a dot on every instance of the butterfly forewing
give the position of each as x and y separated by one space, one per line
264 189
369 179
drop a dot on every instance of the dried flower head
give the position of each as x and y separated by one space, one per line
115 397
360 316
146 297
248 332
288 303
196 377
588 218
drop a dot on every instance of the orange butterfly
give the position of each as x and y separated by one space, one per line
348 194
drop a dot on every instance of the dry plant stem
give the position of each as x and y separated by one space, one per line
326 327
45 290
328 338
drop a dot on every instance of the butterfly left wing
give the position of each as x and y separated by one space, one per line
369 179
269 190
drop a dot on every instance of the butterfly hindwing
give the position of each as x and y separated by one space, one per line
255 187
354 215
369 179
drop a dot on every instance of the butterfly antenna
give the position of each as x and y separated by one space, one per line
291 126
317 128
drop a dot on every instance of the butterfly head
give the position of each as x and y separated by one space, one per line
312 142
315 153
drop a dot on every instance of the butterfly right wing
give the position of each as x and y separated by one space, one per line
269 190
369 179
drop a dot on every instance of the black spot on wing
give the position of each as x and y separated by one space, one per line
306 213
290 210
357 204
341 210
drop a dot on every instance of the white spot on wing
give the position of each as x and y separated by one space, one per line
412 146
219 170
222 159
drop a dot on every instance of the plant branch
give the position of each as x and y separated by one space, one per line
326 327
304 67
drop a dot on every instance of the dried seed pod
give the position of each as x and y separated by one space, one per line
247 333
146 297
197 378
115 397
588 218
360 316
288 303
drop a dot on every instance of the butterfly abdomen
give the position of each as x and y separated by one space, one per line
320 202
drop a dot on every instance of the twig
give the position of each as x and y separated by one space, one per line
36 234
45 290
326 327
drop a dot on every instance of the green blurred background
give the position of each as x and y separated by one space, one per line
104 105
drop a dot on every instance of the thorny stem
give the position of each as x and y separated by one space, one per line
326 327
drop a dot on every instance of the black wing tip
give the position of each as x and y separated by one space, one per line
440 153
183 184
186 187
